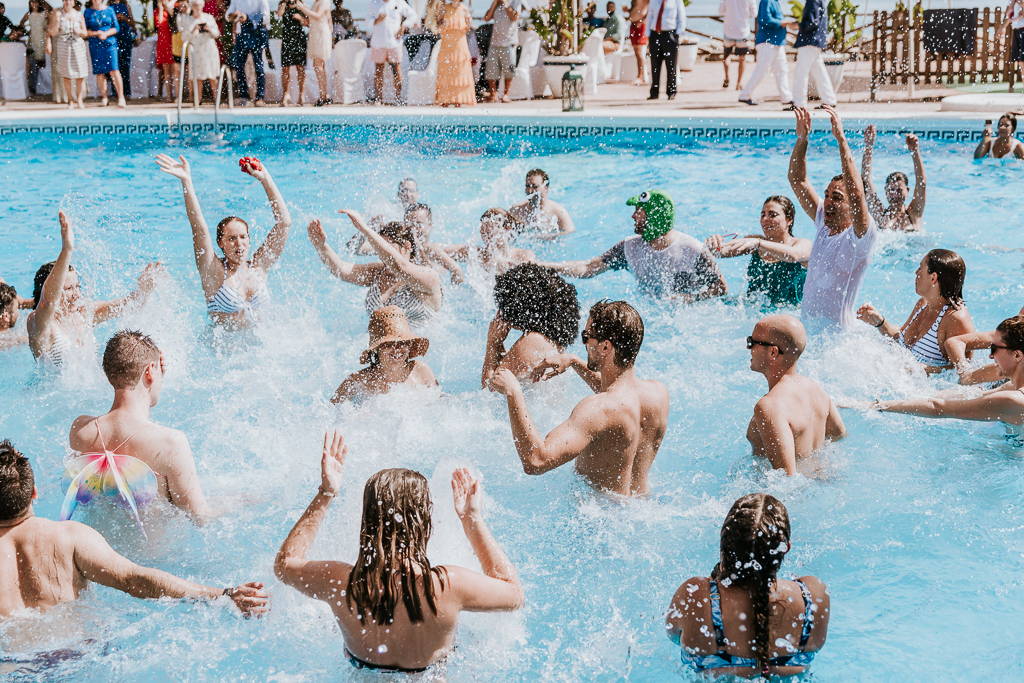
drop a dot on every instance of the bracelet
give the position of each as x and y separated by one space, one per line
226 591
326 493
881 323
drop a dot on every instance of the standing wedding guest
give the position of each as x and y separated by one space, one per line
390 19
845 232
1015 19
250 19
62 322
770 44
343 25
1005 144
293 49
736 16
501 56
164 52
45 563
638 38
390 358
397 613
68 31
665 26
897 216
200 30
217 9
778 262
455 85
397 279
743 620
37 18
178 12
101 23
125 43
810 65
235 287
319 44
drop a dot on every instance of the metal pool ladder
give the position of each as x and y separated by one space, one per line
195 87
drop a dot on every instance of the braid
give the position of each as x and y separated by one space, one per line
755 539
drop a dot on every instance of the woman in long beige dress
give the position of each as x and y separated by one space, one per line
455 85
318 47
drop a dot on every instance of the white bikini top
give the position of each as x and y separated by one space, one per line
228 300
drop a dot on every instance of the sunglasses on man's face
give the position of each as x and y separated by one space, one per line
585 337
751 343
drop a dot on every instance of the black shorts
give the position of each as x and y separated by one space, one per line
739 48
1017 51
177 59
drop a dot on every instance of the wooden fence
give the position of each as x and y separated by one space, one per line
895 41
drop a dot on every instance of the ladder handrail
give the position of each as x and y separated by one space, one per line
216 99
181 82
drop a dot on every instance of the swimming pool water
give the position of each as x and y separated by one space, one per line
916 525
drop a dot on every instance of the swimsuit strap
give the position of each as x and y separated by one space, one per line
114 449
716 616
805 634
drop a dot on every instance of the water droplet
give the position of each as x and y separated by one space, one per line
743 615
382 649
398 517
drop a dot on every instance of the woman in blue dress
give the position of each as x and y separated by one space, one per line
102 26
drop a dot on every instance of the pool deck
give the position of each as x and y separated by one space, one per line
700 96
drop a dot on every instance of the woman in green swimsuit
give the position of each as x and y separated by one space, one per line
778 261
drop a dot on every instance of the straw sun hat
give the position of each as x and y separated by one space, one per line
389 325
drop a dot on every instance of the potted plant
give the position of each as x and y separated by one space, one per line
555 25
842 17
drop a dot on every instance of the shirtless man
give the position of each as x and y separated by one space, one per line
43 563
135 368
796 416
897 216
613 435
545 218
10 302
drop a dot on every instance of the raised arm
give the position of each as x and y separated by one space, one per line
499 589
851 177
805 194
421 279
562 445
268 253
985 145
316 579
362 274
874 203
97 562
916 208
211 272
108 310
53 287
494 353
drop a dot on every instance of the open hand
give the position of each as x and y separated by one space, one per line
503 381
332 461
179 169
356 218
803 122
869 135
251 599
316 233
837 122
467 494
912 143
67 235
147 280
714 243
870 315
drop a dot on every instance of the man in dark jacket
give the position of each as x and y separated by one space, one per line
810 42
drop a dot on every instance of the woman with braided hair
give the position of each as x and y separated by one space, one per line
761 624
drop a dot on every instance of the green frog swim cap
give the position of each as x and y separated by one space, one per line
661 212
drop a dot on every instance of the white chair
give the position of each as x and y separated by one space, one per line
539 75
628 68
44 81
349 57
421 86
613 61
523 87
593 72
143 69
274 88
12 71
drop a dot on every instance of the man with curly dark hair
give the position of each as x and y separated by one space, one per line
540 304
614 435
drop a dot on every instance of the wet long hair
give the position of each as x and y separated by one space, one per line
392 547
533 298
41 275
788 210
951 271
396 233
755 539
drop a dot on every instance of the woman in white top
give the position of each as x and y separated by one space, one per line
63 319
1005 144
318 47
1015 18
1005 403
939 314
200 30
37 18
396 280
235 287
68 31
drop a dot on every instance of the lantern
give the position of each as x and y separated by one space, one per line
572 90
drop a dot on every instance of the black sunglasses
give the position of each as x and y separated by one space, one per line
584 337
995 347
751 342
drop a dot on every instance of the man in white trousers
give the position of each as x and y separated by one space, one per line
770 44
810 42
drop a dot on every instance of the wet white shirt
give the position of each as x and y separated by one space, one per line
397 14
836 271
736 16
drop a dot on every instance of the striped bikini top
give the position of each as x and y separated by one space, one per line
417 312
61 347
926 349
228 300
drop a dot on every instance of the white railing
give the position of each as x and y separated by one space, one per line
221 80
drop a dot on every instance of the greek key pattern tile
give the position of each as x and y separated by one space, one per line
555 131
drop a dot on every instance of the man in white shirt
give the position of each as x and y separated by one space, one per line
501 57
391 18
251 19
845 233
736 16
666 22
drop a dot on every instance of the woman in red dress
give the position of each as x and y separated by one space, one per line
164 56
215 8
